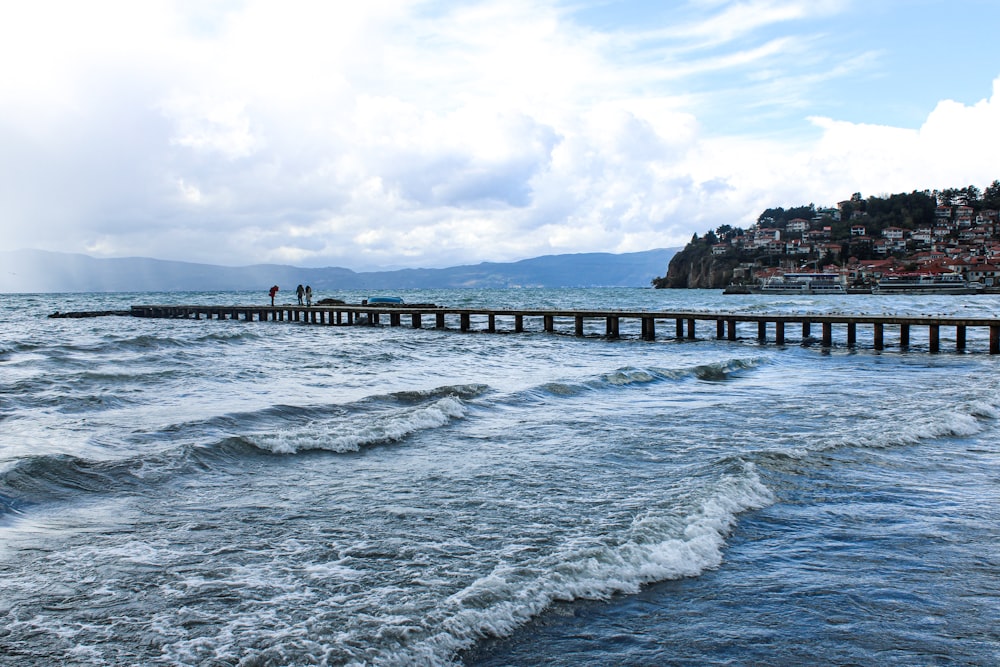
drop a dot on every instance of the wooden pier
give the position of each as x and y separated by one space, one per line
552 321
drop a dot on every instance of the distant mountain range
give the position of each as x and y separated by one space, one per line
39 271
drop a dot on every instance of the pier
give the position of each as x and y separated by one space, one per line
777 328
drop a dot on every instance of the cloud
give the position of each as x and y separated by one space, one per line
736 20
399 133
955 146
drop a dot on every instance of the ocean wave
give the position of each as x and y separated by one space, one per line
41 479
358 431
983 409
561 389
658 547
964 420
229 336
925 426
61 397
230 440
291 417
632 376
462 391
628 376
139 343
144 343
725 370
38 480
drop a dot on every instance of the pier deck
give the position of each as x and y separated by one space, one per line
684 323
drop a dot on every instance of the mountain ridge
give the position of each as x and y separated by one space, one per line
42 271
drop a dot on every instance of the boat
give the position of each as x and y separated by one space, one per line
801 283
384 300
926 283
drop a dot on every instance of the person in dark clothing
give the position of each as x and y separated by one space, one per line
299 292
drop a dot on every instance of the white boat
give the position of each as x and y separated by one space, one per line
922 283
801 283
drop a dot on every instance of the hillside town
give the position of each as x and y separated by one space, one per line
861 242
958 242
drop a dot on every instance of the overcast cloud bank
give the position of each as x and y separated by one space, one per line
431 134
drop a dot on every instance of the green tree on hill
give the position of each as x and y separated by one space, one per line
991 196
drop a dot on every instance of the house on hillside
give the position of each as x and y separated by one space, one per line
924 258
766 235
987 274
797 226
815 236
987 215
880 266
797 247
963 216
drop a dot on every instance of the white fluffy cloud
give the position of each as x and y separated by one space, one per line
956 146
417 134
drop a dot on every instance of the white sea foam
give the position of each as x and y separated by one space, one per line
985 409
919 427
334 570
658 548
352 434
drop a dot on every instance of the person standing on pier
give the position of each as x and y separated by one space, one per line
299 291
309 295
274 290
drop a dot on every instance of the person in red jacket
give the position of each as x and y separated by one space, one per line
274 290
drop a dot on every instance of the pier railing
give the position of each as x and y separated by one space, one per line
552 320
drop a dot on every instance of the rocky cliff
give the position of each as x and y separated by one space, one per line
695 267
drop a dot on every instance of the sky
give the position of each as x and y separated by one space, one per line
392 133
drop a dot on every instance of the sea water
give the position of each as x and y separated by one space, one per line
205 492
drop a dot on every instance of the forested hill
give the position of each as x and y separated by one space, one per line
858 227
